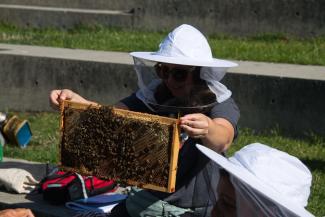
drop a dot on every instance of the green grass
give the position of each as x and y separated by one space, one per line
268 47
46 137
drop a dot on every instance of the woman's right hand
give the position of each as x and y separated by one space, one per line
56 96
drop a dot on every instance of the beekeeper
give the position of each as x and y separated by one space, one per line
182 77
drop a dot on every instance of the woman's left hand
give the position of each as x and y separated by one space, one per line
195 125
217 133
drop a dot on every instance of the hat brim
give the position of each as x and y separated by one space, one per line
153 56
245 176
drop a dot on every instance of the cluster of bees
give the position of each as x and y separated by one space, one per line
99 142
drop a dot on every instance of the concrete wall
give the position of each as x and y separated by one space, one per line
295 106
27 81
234 17
239 17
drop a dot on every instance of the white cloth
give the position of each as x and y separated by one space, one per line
282 172
17 180
267 181
185 45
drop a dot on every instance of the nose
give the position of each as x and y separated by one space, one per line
171 79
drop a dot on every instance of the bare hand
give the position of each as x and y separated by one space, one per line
19 212
56 96
195 125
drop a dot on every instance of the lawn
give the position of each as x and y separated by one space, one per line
311 150
280 48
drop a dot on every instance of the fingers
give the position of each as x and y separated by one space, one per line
56 96
19 212
195 125
195 116
195 121
195 132
65 95
29 213
53 100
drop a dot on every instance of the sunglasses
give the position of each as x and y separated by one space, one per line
178 74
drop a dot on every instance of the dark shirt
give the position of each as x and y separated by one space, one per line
227 109
197 176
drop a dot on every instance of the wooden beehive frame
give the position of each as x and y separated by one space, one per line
174 149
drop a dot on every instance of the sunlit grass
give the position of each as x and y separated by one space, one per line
267 47
45 139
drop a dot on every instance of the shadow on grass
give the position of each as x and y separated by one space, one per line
314 164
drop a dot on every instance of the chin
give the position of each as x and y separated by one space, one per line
179 95
180 92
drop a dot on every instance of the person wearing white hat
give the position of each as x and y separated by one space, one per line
182 77
260 181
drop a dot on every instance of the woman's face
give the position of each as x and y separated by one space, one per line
177 78
226 204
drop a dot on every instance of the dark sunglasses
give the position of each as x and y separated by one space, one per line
178 74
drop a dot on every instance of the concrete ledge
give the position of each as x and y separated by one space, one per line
289 97
41 16
81 4
280 70
65 10
65 53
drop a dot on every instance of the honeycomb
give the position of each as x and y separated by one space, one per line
129 147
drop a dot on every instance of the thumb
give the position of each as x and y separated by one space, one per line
65 95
